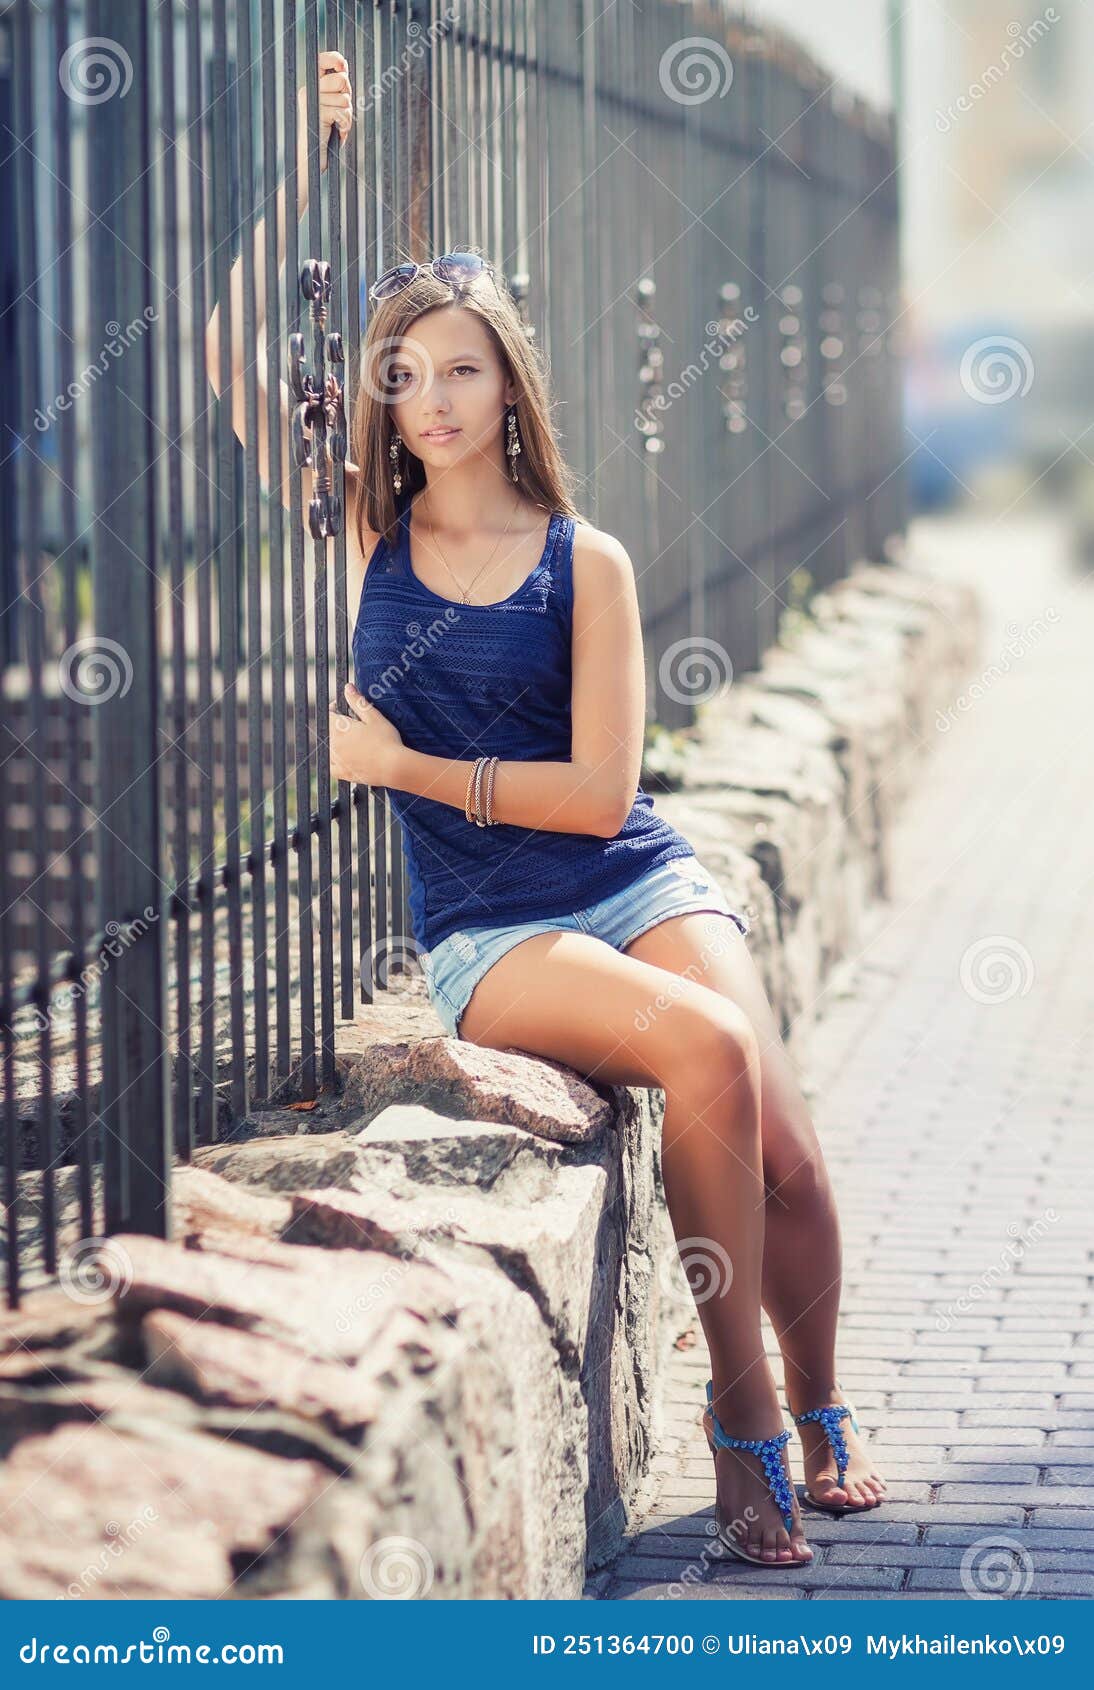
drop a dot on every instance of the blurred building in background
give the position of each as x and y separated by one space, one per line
852 39
999 247
996 186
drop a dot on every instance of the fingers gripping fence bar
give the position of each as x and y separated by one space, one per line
706 253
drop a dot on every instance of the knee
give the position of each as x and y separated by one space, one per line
715 1049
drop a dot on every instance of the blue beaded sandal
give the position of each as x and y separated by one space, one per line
770 1451
829 1417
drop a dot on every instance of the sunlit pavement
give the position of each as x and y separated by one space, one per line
952 1086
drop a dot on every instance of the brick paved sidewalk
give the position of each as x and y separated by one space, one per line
951 1084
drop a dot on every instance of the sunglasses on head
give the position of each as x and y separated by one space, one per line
455 268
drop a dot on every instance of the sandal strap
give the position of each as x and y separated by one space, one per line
829 1417
770 1452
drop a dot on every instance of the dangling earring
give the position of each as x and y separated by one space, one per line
513 446
393 454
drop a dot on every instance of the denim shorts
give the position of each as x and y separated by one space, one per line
454 967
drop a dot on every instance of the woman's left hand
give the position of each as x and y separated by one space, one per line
364 746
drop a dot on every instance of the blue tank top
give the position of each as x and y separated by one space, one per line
466 680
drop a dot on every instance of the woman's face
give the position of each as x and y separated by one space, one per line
450 388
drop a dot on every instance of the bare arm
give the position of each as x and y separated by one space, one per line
594 792
335 108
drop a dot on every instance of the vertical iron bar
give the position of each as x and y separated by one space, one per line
76 846
32 612
226 559
435 128
269 47
368 124
205 1131
177 760
591 266
366 152
302 834
360 53
444 156
391 247
388 141
12 1204
494 170
256 706
466 138
337 42
460 205
125 590
381 821
317 367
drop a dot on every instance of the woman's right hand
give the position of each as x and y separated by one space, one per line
335 111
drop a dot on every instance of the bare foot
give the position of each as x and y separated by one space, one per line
863 1486
746 1510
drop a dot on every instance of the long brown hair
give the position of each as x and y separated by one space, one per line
543 476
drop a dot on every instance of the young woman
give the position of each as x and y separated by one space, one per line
497 653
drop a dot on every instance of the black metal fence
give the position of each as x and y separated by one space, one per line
703 234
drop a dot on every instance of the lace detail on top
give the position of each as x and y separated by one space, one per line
461 681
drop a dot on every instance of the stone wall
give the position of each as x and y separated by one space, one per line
411 1342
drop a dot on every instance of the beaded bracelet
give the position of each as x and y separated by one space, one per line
467 795
473 807
477 806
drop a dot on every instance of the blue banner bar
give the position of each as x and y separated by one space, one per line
498 1643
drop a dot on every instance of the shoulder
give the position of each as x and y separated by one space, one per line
602 564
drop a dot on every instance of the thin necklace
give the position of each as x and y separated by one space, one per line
465 593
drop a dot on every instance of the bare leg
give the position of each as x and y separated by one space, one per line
574 998
802 1267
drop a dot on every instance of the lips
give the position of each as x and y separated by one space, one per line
440 434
